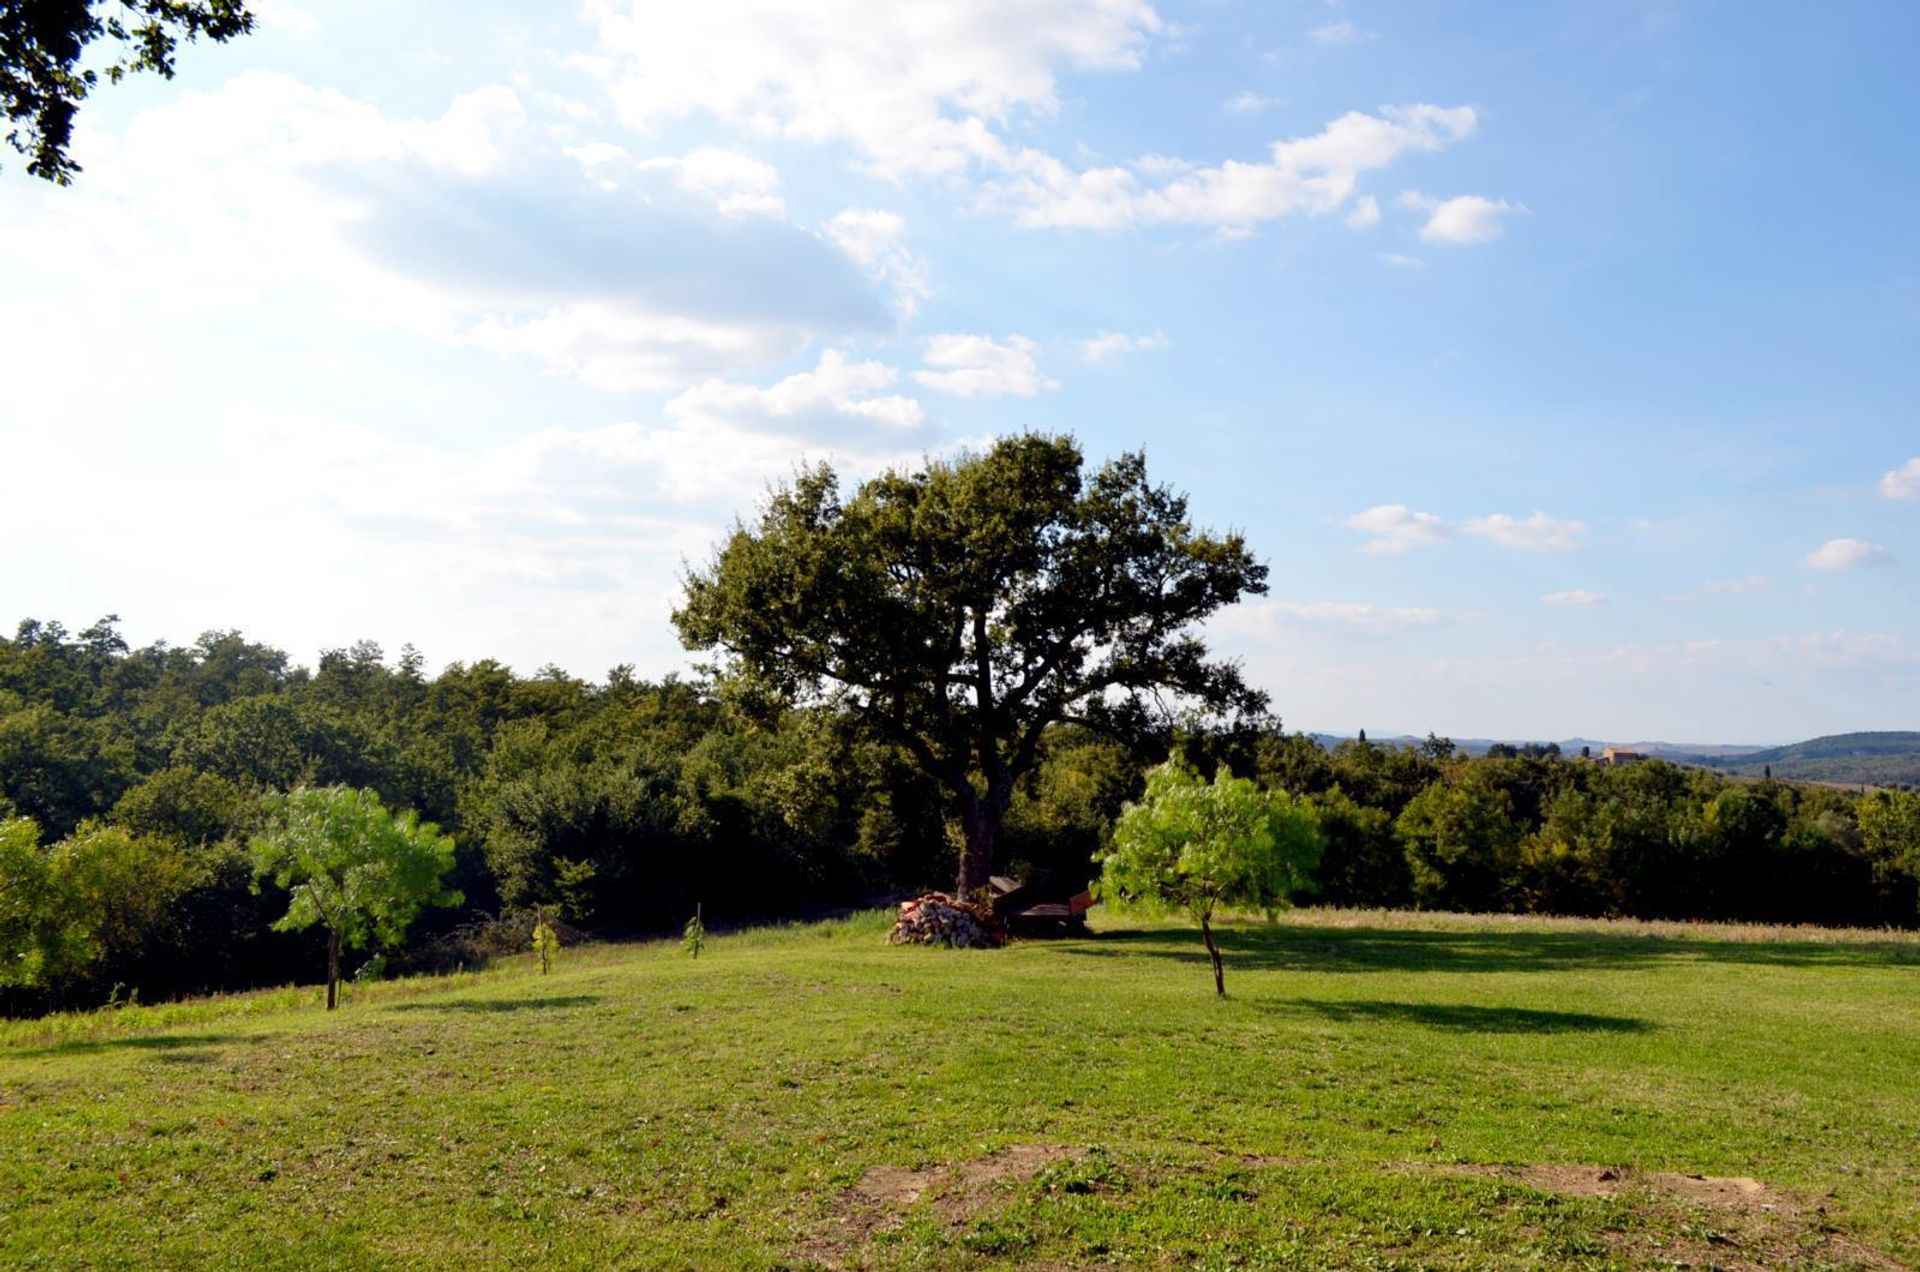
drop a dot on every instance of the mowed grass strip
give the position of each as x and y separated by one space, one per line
1377 1091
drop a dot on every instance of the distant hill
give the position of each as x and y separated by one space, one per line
1868 759
1850 759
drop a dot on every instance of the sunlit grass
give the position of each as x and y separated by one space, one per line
639 1108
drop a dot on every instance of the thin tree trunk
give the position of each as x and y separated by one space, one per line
1213 952
333 969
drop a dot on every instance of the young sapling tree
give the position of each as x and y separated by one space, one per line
546 943
352 867
1195 845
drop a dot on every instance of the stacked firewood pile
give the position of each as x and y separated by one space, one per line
938 919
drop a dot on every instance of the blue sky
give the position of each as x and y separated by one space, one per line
1558 357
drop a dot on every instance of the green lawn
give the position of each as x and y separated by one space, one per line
1377 1092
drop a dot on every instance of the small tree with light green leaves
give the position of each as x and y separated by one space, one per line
1195 845
352 867
694 936
546 943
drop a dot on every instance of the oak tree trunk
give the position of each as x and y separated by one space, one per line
982 826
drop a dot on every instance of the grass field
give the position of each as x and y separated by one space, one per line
1378 1092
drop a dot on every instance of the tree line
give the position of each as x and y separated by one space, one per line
138 776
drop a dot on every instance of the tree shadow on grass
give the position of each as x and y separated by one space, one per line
1463 1018
162 1043
1363 949
555 1002
187 1057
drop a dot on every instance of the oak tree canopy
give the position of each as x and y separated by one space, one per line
962 609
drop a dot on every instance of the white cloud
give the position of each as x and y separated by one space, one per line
980 366
1903 482
1394 528
475 135
1466 218
1158 166
1846 554
1341 32
602 162
924 89
1538 533
941 88
1248 102
737 184
1575 597
624 349
1357 617
215 202
475 228
1313 175
1400 260
867 234
460 535
1112 344
274 15
835 386
1737 587
876 239
717 446
1267 625
1835 650
1366 213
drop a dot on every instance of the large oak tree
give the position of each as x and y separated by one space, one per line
963 609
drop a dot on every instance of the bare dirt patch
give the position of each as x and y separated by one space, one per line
890 1188
1733 1223
1609 1181
956 1193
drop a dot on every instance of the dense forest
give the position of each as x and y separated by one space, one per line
136 776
